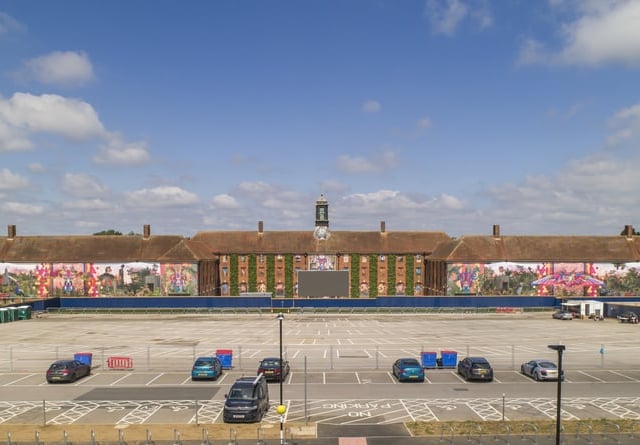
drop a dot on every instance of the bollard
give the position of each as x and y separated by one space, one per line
9 438
37 440
121 438
233 437
176 437
65 438
149 441
93 437
205 437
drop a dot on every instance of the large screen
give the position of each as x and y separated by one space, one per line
323 283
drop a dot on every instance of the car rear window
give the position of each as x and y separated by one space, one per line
204 362
481 366
548 365
271 363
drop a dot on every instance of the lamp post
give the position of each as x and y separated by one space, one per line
560 349
281 408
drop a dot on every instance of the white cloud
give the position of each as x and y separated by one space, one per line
371 106
446 15
12 181
377 163
12 138
88 204
604 32
73 119
66 68
119 152
158 197
225 201
625 125
83 185
9 25
36 167
257 189
19 208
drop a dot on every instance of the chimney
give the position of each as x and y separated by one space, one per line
146 231
628 231
260 226
496 231
11 231
383 227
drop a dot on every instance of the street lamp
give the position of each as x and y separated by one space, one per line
281 409
560 349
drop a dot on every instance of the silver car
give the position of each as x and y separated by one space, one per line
540 370
563 315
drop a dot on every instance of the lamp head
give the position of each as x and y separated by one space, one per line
558 348
280 316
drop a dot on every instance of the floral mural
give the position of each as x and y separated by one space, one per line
544 279
44 280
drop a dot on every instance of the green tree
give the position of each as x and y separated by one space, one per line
108 232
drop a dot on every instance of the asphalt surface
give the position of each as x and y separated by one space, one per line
602 357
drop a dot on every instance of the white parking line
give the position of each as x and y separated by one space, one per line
18 380
591 376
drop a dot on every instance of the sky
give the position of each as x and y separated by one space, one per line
211 115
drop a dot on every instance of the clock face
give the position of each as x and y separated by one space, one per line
321 232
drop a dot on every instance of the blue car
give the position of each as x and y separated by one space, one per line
408 370
208 368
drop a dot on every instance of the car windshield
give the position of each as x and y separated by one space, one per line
241 392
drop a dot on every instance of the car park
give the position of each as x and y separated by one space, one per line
208 368
628 317
247 400
475 368
563 315
67 371
271 369
408 370
540 370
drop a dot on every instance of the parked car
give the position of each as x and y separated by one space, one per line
563 315
247 400
628 317
408 369
208 368
67 371
475 368
270 367
540 369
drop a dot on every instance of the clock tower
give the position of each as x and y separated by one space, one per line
322 219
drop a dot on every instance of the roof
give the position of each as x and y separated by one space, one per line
281 242
486 249
100 248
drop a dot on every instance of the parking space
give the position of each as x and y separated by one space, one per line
344 363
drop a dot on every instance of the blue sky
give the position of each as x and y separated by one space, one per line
436 115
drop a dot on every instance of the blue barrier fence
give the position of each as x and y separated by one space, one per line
268 303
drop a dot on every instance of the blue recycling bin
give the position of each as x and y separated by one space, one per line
226 358
449 359
84 357
428 359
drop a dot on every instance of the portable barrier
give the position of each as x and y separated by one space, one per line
119 363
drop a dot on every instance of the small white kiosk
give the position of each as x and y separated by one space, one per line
585 308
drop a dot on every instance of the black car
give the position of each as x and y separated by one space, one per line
628 317
247 401
67 371
270 367
475 368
